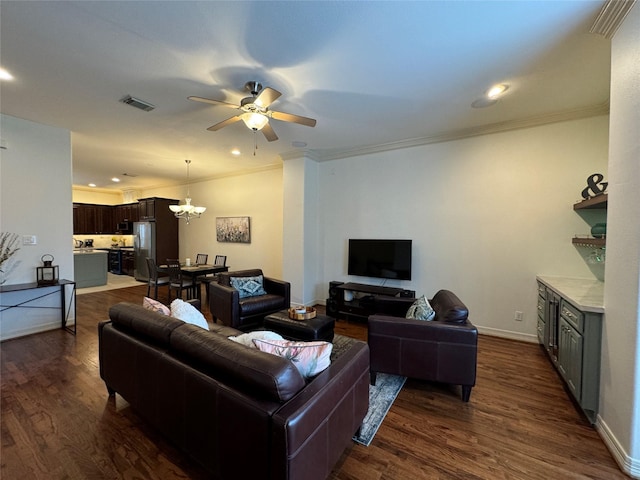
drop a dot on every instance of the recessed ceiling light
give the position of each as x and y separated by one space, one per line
298 144
497 90
235 152
115 179
5 75
92 184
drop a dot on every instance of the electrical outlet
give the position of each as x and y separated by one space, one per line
518 316
29 240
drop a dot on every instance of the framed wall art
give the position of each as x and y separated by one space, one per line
233 229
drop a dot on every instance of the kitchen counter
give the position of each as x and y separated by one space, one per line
90 267
586 294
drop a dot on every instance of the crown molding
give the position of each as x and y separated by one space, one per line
534 121
611 16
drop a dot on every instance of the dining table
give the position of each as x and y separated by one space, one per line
194 271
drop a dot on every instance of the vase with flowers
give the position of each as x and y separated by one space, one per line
8 248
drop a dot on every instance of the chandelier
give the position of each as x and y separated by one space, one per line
187 211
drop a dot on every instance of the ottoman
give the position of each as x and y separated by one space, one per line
318 328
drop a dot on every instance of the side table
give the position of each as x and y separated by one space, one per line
318 328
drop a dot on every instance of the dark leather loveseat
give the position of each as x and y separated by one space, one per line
247 313
239 412
442 350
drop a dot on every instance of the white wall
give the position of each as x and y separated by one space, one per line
35 196
619 420
486 214
302 258
257 195
99 197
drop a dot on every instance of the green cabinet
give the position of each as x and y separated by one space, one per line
572 337
543 308
570 357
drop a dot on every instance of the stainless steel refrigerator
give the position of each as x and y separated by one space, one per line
144 245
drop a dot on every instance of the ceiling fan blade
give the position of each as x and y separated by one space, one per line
267 97
269 134
212 102
224 123
289 117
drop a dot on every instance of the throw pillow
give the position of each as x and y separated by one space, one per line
156 306
247 339
188 313
248 286
310 358
421 310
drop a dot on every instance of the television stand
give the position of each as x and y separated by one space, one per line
352 298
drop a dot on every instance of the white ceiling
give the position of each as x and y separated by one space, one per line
373 74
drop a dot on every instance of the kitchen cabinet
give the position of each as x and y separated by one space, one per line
90 219
90 268
128 262
93 219
146 209
154 208
126 213
571 322
570 357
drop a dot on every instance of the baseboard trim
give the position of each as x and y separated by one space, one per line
629 465
496 332
45 327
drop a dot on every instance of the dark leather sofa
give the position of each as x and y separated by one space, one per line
442 350
248 313
239 412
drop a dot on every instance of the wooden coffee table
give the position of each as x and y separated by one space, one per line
318 328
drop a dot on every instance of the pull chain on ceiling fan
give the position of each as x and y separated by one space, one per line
255 111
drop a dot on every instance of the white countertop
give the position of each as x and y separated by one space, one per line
89 252
586 294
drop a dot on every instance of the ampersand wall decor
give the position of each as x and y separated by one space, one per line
595 185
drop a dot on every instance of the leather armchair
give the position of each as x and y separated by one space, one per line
247 313
442 350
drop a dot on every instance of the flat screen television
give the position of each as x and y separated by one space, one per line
380 258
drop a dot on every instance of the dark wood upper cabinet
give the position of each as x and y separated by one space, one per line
90 219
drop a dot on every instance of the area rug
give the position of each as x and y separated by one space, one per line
381 397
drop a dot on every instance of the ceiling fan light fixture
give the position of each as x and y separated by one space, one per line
254 121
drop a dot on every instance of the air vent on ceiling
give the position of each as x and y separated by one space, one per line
136 102
610 17
133 175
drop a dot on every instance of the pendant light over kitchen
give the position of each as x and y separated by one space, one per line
187 211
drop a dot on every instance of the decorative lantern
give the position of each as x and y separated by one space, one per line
47 274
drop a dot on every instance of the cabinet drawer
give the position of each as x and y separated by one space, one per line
574 316
542 291
540 329
541 304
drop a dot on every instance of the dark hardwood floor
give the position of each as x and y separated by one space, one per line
58 422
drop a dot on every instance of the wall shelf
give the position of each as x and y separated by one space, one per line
589 242
599 201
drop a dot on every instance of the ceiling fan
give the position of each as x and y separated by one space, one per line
255 111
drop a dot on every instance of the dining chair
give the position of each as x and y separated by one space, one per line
155 279
220 261
201 259
178 281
